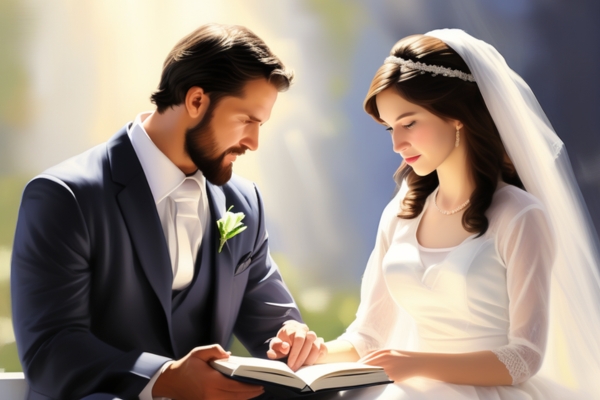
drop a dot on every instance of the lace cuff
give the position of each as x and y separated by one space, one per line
520 361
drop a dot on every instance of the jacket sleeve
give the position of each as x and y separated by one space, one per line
267 302
51 269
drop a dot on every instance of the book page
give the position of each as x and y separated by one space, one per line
256 368
311 373
260 364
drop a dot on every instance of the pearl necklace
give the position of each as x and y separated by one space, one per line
457 209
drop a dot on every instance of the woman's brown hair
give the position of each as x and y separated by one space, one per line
447 98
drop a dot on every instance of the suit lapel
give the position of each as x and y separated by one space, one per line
140 215
223 267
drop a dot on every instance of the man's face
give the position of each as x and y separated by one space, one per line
229 129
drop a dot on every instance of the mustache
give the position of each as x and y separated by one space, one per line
238 151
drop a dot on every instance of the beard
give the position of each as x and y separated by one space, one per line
201 145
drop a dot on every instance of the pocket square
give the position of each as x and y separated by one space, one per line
243 264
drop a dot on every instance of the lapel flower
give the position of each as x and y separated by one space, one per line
229 226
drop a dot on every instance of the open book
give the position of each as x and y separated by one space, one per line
307 379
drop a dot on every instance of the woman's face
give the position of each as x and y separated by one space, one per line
424 140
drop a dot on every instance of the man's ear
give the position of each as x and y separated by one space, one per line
196 102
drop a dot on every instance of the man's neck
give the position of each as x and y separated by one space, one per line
167 131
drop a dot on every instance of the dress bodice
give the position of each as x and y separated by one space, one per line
459 304
489 293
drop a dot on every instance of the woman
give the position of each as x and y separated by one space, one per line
483 283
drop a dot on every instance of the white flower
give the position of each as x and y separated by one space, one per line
229 226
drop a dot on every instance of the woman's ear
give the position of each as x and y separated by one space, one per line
196 102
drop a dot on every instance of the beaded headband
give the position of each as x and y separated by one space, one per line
433 69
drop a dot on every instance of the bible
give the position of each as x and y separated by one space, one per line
307 379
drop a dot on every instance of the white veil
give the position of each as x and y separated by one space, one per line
573 351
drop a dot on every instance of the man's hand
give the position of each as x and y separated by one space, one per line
193 378
301 345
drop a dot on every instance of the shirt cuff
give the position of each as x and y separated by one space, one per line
146 394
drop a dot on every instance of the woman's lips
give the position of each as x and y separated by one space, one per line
411 160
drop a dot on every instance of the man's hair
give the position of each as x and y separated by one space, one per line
220 59
448 98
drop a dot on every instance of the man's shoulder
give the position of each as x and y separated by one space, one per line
85 170
84 166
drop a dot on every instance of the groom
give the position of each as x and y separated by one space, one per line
121 283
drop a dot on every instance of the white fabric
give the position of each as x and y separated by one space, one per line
146 394
164 178
489 293
432 257
188 231
166 183
573 356
569 365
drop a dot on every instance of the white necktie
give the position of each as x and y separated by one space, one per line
188 231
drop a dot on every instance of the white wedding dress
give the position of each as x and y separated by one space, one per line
488 293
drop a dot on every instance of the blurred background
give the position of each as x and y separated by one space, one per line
72 73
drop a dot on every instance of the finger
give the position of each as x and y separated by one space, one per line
207 353
278 349
299 338
284 334
378 360
372 354
307 346
315 352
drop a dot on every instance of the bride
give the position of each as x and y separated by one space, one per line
483 283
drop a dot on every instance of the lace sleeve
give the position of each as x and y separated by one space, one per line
527 248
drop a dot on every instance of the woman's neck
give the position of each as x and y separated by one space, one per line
456 182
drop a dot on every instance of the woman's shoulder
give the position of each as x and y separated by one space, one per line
510 202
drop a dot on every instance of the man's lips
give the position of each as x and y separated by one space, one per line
411 160
233 154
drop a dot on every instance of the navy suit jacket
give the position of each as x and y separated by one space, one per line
93 309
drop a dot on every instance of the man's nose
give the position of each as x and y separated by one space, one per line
250 139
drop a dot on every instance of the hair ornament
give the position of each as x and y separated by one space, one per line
433 69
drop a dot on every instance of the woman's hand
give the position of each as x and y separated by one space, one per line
398 365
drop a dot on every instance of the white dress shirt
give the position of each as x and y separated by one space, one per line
164 178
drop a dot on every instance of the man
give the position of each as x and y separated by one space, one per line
120 282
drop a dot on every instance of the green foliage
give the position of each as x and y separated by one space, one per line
9 359
14 82
11 188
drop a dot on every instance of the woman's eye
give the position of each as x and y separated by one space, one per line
389 129
409 125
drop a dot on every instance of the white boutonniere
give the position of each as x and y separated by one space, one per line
229 226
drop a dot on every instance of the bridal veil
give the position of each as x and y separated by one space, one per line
573 351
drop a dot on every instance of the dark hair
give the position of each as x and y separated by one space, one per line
220 59
447 98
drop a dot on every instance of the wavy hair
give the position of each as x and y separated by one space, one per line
447 98
220 59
